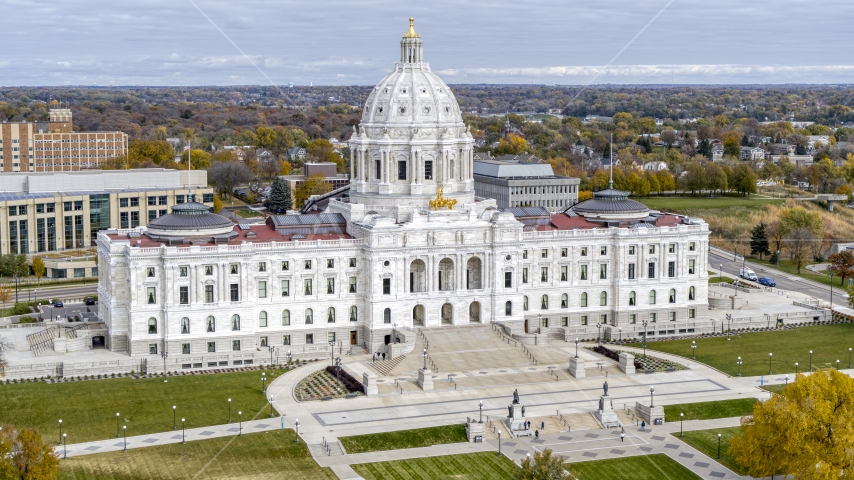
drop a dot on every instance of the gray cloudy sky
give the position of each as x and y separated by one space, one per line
169 42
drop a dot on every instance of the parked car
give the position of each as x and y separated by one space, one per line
767 281
90 301
58 304
748 274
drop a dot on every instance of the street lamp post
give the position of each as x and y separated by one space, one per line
64 447
271 406
499 443
721 275
837 364
117 425
681 416
174 418
296 426
787 379
599 335
481 411
60 431
125 434
728 324
621 334
576 347
424 354
240 419
849 357
272 348
332 353
164 355
796 369
719 446
229 410
831 293
810 361
183 431
739 366
263 382
651 392
645 323
693 350
770 355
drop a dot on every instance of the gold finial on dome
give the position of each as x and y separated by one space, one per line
411 33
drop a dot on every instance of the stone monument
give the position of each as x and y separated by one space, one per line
515 421
369 380
576 367
627 363
606 415
425 379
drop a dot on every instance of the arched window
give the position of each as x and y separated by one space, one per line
525 303
631 299
508 308
564 301
354 314
672 296
286 318
603 298
152 325
584 299
330 315
185 325
691 293
387 315
262 319
544 302
235 322
211 324
309 316
652 297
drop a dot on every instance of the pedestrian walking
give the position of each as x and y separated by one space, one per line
536 434
383 356
622 436
374 358
283 421
543 426
643 426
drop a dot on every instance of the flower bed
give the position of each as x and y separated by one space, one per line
642 362
320 385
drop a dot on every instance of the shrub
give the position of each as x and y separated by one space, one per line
349 382
27 319
21 308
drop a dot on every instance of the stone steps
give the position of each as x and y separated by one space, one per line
320 450
385 367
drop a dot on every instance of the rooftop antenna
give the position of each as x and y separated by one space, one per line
611 181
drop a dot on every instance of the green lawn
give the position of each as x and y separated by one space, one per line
707 410
265 455
828 343
676 203
774 388
644 467
471 466
88 408
706 441
422 437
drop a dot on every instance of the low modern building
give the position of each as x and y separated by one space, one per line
514 184
52 147
52 211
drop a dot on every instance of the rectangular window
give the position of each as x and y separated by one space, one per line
262 289
39 208
123 202
286 288
386 286
651 318
307 264
208 269
211 347
330 337
262 266
307 286
151 294
263 341
378 169
207 197
309 338
564 321
524 275
50 207
544 274
672 316
22 209
603 271
583 273
564 252
161 200
179 199
134 202
508 279
152 214
13 211
671 248
152 201
603 250
124 221
652 249
149 272
428 170
651 270
185 325
692 246
234 289
691 267
209 293
182 271
352 263
79 272
631 271
524 254
184 295
603 319
633 318
631 249
286 265
401 169
544 253
286 339
671 269
351 285
564 276
583 251
66 206
584 319
544 322
235 345
234 268
692 313
330 286
185 348
152 349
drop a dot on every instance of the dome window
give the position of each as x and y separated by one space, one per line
447 109
402 110
380 109
403 90
426 109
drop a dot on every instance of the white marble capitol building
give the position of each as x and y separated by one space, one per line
195 285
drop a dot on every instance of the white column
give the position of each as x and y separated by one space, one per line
352 165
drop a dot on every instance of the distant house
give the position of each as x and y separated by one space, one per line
818 141
580 150
655 166
751 154
759 139
483 157
296 153
781 149
717 152
508 129
264 155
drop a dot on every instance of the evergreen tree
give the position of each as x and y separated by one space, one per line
759 241
705 149
280 196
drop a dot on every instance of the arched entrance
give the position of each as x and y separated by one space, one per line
474 312
418 316
98 341
473 274
417 276
447 314
446 275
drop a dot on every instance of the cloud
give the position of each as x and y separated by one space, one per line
755 72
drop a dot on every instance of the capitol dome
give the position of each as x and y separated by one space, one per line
411 141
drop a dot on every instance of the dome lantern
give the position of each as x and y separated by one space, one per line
410 45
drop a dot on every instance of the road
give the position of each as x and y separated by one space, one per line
785 281
64 292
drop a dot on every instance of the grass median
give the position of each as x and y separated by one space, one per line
421 437
88 408
708 410
644 467
265 455
828 343
706 441
470 466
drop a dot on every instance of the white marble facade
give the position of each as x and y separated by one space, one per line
399 263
